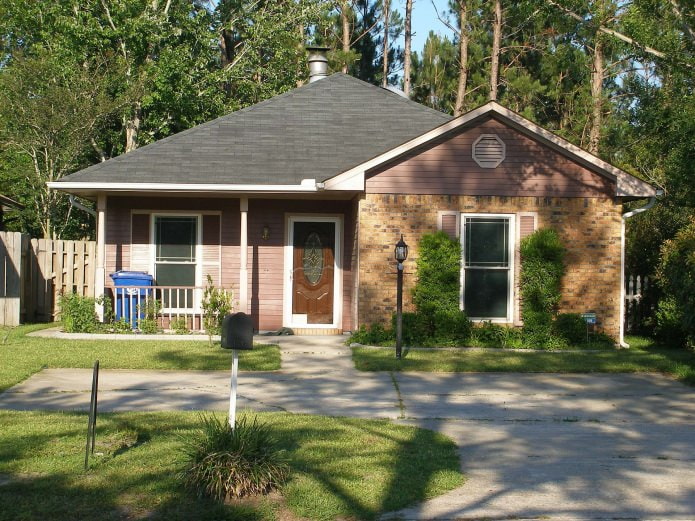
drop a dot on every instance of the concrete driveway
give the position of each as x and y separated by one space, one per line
533 446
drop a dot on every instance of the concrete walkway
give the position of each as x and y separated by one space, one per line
533 446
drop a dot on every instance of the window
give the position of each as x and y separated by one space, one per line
487 266
176 240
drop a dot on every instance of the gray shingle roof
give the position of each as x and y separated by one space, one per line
314 132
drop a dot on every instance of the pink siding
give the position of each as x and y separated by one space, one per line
265 257
446 167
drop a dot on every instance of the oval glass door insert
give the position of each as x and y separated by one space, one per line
313 258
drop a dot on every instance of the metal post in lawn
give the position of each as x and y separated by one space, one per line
92 422
232 394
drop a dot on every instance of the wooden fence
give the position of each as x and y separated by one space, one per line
640 300
35 272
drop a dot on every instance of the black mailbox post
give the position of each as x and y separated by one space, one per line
237 332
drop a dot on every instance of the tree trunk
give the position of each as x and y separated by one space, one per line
463 57
408 38
345 22
132 128
597 76
496 43
385 72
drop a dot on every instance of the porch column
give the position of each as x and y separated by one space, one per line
243 253
99 272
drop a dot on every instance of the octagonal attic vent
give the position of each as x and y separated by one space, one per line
488 150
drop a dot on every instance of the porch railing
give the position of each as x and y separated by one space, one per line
165 304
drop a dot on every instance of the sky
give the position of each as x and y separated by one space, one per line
425 20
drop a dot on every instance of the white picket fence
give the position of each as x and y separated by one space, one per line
639 302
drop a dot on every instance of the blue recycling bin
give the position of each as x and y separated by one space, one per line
128 297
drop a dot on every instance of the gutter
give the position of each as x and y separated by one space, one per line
306 185
625 217
74 202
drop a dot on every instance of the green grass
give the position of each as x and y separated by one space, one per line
341 468
643 356
21 355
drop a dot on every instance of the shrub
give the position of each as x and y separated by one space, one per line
542 268
669 322
78 313
121 326
223 463
571 327
373 335
148 316
488 334
451 327
216 304
438 266
180 325
415 328
676 276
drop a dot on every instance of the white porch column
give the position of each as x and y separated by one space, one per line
243 253
100 272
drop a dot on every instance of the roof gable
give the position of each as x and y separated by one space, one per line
626 185
522 167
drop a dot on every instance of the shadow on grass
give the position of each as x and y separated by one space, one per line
342 468
210 358
387 469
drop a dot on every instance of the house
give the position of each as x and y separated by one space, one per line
297 202
7 205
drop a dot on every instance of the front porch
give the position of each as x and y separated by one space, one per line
181 241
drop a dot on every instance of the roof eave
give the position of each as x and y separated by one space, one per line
77 187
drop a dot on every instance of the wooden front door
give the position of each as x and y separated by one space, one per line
313 271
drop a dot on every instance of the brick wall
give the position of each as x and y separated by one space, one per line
589 228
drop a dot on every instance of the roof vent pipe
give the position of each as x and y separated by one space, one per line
318 62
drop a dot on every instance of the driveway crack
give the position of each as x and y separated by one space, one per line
401 405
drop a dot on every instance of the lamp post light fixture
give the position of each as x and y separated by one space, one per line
401 254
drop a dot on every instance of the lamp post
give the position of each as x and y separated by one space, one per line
400 253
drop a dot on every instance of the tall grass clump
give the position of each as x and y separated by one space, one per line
222 463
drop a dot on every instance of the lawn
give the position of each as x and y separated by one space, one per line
341 468
643 356
22 355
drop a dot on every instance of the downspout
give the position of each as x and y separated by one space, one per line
74 202
625 217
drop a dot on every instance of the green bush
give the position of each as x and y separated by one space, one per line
438 272
540 282
373 335
121 326
488 334
415 328
542 269
78 313
216 304
571 327
451 327
148 316
669 322
180 325
676 277
222 463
